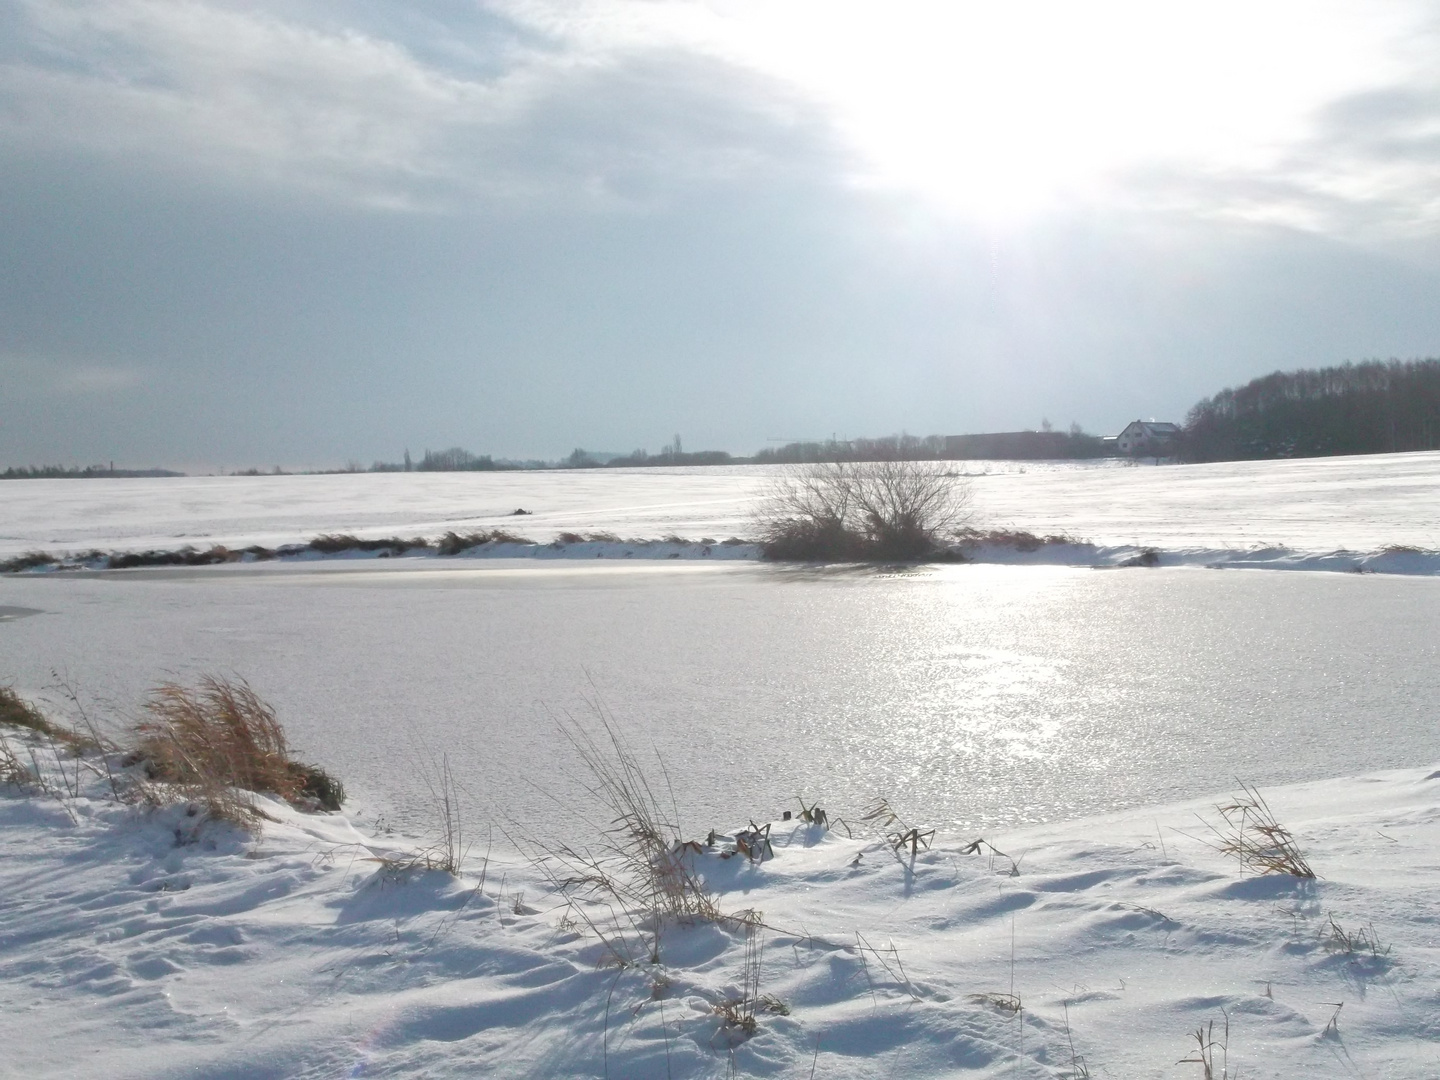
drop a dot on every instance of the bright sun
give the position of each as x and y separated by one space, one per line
998 109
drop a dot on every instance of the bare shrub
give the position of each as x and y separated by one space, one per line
1251 835
218 741
851 511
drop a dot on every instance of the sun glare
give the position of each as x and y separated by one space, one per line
997 109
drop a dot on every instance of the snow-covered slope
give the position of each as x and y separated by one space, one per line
135 944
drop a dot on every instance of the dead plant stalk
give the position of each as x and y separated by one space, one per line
1253 836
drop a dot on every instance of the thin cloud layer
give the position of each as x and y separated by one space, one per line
27 379
335 230
256 97
606 101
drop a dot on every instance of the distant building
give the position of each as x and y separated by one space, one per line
1023 446
1147 438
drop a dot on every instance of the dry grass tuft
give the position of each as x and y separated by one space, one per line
899 833
30 560
335 543
639 875
14 771
219 741
739 1013
185 556
1018 539
1005 1003
1251 835
453 543
812 814
15 711
1361 940
642 845
450 849
1210 1053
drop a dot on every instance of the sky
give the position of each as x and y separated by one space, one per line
306 233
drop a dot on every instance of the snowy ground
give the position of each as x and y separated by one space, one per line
134 944
1308 507
976 697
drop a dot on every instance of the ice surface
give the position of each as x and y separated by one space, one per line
987 695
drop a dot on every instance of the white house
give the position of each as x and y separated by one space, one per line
1147 437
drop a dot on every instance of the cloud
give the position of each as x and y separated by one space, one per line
613 105
1367 172
27 378
1364 167
521 112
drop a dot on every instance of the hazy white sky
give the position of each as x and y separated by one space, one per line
301 232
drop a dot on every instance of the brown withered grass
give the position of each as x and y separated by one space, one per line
1251 835
214 743
12 769
15 711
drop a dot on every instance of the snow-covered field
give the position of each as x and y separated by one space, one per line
1308 506
135 945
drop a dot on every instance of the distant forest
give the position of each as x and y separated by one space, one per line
62 472
1374 407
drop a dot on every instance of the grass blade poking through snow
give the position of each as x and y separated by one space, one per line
1251 835
448 853
639 872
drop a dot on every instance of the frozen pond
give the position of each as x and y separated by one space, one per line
971 696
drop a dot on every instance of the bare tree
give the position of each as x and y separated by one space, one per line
840 511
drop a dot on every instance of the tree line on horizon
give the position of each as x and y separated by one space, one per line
1374 407
71 472
1366 408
